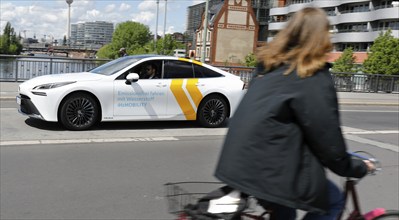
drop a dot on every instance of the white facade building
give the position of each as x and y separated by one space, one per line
92 34
356 23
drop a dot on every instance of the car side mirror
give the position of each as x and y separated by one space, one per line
132 77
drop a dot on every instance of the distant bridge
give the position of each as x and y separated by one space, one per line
74 51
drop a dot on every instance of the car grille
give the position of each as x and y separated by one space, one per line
27 107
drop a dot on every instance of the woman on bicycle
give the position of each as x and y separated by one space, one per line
287 127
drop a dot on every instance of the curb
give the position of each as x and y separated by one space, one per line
7 98
369 103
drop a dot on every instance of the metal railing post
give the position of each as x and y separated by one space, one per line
392 84
16 70
51 66
378 83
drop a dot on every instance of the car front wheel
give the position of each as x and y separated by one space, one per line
78 112
212 111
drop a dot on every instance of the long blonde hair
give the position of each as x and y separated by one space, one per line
303 44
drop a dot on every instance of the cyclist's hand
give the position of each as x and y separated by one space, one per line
371 168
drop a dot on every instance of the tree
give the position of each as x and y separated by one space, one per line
383 57
345 63
136 39
9 42
250 60
129 35
64 41
105 52
166 45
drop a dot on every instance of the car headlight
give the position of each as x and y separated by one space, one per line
52 85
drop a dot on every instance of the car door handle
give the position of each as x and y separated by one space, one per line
161 85
199 84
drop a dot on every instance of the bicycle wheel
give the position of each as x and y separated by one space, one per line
389 215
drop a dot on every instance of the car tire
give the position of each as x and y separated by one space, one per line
212 112
79 111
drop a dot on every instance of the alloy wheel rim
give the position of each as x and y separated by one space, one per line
80 112
214 111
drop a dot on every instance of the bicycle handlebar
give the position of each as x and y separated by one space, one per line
370 158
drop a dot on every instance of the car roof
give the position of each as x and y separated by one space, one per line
143 56
149 56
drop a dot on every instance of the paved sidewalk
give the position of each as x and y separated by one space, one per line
8 91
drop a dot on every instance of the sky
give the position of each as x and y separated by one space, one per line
49 18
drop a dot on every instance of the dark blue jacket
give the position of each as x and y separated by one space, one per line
284 132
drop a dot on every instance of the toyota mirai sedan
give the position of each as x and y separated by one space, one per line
133 88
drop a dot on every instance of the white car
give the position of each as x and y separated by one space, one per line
182 89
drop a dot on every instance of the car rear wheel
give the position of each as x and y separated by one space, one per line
212 111
79 112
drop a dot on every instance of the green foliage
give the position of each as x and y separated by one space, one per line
383 57
130 35
250 60
106 52
345 63
9 42
167 45
136 38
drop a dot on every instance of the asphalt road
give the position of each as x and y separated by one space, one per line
117 170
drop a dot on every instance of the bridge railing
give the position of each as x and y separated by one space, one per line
344 82
355 82
21 68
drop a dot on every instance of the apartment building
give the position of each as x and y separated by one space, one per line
91 34
355 23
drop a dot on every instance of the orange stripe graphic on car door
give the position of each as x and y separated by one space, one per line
177 89
195 93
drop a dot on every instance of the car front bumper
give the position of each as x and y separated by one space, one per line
26 107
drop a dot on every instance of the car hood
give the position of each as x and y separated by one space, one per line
66 77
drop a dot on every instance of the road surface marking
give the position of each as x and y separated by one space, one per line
80 141
371 142
370 111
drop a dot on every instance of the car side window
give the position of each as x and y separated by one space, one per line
150 70
135 69
178 69
203 72
141 69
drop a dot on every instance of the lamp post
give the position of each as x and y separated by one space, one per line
69 2
156 27
164 27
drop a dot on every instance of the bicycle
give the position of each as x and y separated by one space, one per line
189 202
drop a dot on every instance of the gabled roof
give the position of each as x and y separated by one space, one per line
214 11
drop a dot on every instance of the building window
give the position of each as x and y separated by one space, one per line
279 18
357 47
352 27
289 2
383 4
353 8
272 33
330 11
385 25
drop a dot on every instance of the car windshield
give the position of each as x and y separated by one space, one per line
114 66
